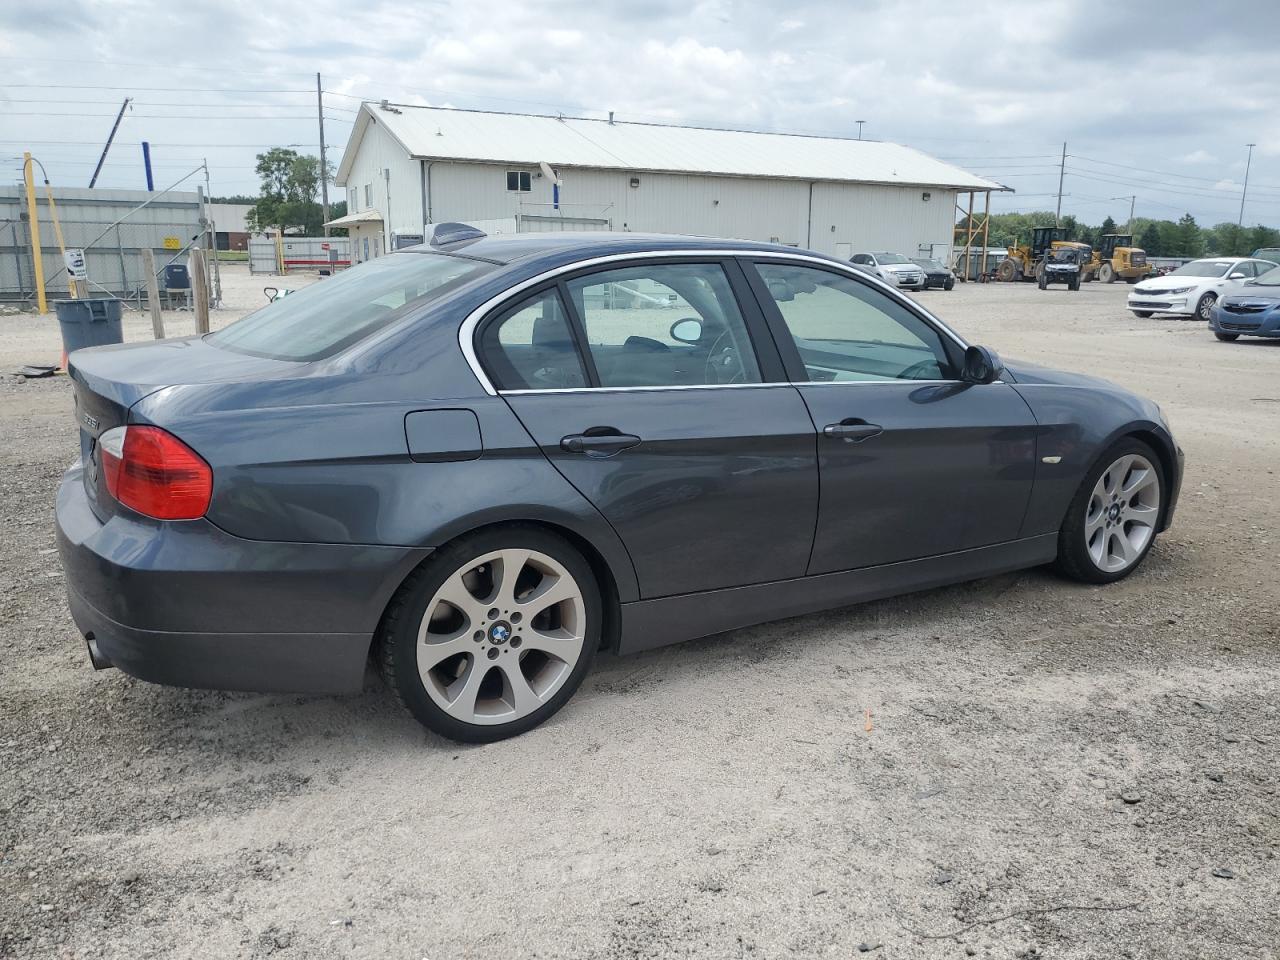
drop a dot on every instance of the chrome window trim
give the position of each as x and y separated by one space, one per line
467 330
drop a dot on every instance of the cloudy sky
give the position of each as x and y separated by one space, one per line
1159 104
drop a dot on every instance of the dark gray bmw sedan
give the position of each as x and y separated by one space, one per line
482 460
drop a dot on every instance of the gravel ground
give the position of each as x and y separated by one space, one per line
1021 767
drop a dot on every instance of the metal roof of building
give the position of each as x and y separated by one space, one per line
442 133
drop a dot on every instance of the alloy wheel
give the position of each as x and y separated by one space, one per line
1122 514
1205 308
501 636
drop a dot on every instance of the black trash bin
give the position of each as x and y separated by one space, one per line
88 323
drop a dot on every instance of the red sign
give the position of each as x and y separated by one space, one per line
324 246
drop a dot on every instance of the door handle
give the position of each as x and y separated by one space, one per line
852 430
599 442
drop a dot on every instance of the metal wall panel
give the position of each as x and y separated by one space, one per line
398 197
113 258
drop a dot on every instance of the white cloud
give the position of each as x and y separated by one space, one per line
967 81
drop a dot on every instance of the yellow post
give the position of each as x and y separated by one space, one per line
37 259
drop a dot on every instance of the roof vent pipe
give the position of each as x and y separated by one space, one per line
610 118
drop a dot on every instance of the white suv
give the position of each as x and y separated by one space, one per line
892 268
1195 287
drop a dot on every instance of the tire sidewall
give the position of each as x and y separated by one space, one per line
402 639
1073 552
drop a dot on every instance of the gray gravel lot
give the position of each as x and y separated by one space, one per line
1020 767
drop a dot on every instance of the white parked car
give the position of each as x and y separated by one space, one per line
892 268
1195 287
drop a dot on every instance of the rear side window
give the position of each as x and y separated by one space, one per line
331 315
664 325
530 347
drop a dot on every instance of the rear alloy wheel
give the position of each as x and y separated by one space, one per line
1113 519
1226 337
493 635
1204 309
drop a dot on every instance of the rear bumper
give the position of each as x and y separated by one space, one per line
190 605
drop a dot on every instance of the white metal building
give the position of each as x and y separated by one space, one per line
406 167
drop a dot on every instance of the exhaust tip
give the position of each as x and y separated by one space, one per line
96 657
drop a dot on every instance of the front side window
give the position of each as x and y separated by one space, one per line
531 347
845 331
664 325
324 318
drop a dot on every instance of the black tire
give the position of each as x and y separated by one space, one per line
1073 556
949 285
1042 282
1075 284
1007 271
1226 337
396 645
1132 279
1204 306
1142 314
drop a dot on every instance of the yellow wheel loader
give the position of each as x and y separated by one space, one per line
1119 259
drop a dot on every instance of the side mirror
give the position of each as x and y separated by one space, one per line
1237 276
687 330
981 365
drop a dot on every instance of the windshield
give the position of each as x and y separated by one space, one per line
891 258
1064 255
929 264
1203 268
330 315
1269 279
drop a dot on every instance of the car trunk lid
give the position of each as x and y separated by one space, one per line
108 381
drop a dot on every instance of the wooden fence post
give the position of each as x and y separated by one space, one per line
200 290
153 292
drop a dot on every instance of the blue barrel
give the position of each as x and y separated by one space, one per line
89 323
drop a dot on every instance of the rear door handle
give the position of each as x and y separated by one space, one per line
599 442
852 429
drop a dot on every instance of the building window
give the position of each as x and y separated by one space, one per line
519 181
352 205
368 196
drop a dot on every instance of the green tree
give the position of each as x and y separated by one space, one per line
1108 226
1260 236
1190 237
290 182
1149 240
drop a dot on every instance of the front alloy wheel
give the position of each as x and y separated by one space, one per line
1204 309
1124 507
1112 521
494 635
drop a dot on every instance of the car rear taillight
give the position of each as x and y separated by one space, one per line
153 472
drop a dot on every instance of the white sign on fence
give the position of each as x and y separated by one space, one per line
74 260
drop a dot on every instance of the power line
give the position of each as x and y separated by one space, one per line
168 116
1162 173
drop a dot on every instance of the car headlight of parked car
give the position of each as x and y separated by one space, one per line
1180 290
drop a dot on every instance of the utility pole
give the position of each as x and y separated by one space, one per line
324 165
859 123
1062 172
1244 192
212 228
111 136
1133 199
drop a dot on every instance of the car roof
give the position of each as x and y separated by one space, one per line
510 248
